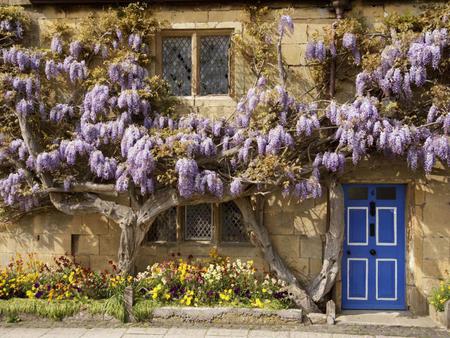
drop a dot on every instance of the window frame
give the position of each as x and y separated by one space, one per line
199 239
195 35
216 231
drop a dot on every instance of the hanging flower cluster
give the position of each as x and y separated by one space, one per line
116 131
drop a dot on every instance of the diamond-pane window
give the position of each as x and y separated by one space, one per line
164 228
214 64
233 229
198 222
177 64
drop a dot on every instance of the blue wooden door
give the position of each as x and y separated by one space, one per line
373 262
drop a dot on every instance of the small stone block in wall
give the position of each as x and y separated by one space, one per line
447 315
128 297
317 318
441 317
331 312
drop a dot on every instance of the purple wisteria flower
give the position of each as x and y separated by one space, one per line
286 25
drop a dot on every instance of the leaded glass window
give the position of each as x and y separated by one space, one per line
177 64
233 229
164 228
214 64
198 222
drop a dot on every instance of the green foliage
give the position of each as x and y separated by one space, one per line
56 310
258 44
143 310
13 14
440 295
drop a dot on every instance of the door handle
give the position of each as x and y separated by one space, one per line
373 252
372 208
372 229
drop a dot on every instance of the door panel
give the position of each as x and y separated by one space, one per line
373 262
386 231
386 274
357 233
357 278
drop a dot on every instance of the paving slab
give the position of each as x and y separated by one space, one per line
268 334
227 332
65 333
22 332
147 330
184 332
144 335
104 333
387 318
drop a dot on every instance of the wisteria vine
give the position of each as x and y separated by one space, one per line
109 129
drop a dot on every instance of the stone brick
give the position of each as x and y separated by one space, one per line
101 262
436 212
293 54
420 195
436 268
427 285
226 15
49 222
108 244
148 249
315 266
93 224
371 13
405 8
436 247
311 12
51 12
311 247
303 32
86 245
57 244
299 266
189 16
278 222
239 251
7 243
83 260
286 245
417 302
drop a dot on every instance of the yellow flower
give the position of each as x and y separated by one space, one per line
30 294
167 296
71 277
258 303
264 290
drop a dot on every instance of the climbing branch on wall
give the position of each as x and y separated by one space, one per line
325 280
260 238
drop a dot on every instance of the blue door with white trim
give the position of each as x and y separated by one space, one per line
373 260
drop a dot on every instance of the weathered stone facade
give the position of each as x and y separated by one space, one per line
297 230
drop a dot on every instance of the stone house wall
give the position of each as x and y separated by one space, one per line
297 230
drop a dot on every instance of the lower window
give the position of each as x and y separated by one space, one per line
198 223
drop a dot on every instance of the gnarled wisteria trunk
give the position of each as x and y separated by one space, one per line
260 238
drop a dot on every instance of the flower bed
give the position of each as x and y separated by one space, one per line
69 288
440 295
440 304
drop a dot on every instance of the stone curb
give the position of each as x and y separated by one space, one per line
207 314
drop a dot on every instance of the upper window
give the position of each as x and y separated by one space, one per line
196 63
177 64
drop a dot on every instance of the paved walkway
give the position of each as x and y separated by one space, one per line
157 332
